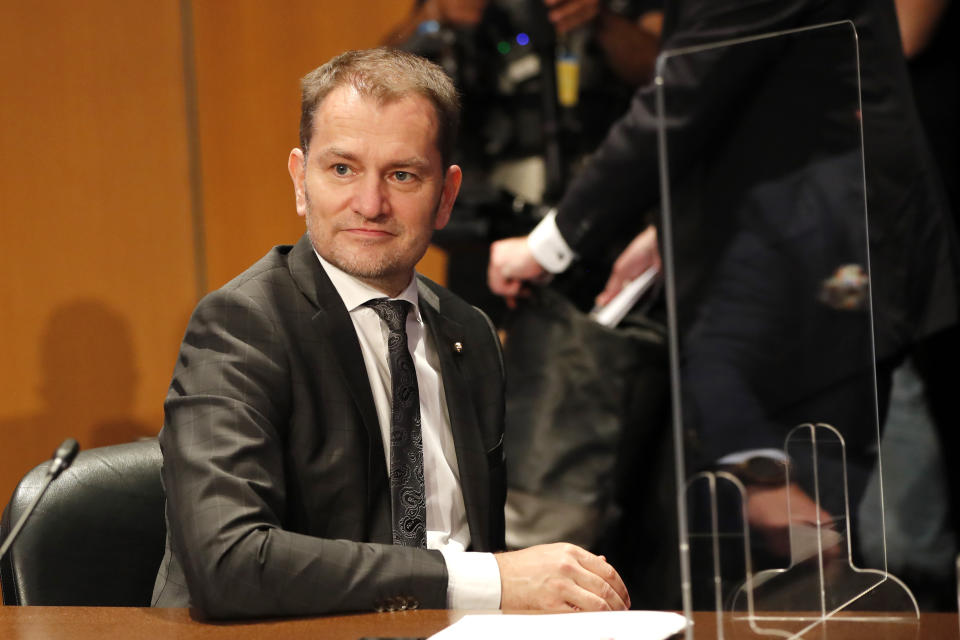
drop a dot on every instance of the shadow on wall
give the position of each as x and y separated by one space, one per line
88 388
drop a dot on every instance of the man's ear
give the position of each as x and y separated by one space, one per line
297 168
451 187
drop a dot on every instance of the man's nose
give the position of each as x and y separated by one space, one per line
370 198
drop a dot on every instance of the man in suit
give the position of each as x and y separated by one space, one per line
333 432
724 140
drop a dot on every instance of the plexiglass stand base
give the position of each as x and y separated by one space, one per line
819 579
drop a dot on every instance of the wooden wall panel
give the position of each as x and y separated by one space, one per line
250 57
96 257
98 268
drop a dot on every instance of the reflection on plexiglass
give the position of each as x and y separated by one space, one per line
774 383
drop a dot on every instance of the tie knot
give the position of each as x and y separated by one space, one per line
393 312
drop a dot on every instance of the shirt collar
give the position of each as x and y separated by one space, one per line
354 292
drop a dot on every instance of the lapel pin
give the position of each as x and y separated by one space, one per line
458 347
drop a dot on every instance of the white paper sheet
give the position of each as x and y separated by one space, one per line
608 625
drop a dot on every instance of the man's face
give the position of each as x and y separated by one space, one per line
373 187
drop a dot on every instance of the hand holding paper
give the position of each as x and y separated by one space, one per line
639 256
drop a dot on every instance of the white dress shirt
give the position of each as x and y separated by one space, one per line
473 578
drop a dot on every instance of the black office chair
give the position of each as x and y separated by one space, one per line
97 535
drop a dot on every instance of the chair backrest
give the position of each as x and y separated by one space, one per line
97 535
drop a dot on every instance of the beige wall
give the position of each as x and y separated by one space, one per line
101 208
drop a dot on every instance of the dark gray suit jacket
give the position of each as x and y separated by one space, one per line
277 495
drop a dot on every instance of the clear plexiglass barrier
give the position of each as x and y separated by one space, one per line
765 249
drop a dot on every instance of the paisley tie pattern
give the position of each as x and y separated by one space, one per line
406 442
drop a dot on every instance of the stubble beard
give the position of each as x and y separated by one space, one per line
375 267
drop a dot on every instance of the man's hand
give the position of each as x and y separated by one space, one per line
767 514
511 265
567 15
641 254
559 577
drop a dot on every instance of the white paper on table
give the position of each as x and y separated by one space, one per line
614 311
606 625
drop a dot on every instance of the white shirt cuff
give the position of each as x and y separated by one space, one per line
548 246
473 580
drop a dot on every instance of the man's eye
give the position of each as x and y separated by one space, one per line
341 169
403 176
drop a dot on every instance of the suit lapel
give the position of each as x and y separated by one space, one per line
471 455
332 321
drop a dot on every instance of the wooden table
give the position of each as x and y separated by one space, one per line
89 623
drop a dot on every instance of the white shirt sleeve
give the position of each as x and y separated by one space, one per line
548 246
473 580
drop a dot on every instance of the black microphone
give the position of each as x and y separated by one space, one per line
62 458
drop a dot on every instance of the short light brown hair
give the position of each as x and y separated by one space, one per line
385 75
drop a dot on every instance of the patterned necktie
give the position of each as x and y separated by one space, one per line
406 441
